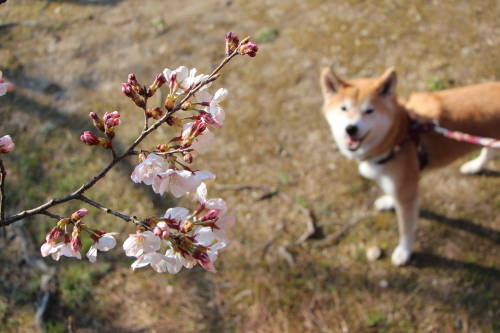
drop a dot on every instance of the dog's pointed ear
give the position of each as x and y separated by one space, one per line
387 83
330 82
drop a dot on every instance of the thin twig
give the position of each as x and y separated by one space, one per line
342 231
3 174
145 108
112 148
310 221
104 209
54 216
268 244
283 251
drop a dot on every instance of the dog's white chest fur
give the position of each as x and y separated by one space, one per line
370 170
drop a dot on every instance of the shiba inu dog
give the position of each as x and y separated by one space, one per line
370 125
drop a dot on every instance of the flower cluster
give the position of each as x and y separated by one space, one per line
59 242
181 237
188 239
106 125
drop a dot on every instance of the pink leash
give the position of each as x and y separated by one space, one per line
459 136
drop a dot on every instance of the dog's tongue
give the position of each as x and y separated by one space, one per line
350 141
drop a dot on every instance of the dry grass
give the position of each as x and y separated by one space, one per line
68 58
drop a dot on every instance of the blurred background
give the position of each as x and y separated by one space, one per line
297 261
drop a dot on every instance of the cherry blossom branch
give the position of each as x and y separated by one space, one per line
191 238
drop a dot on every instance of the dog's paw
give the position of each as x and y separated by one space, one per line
385 202
401 256
471 168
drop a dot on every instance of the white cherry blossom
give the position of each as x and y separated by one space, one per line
141 242
104 243
217 112
147 170
54 249
157 261
177 261
179 182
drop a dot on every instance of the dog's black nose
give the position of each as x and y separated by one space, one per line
351 130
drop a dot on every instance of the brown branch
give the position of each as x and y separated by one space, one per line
74 196
311 227
54 216
342 231
3 174
104 209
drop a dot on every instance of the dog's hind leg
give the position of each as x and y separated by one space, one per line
478 164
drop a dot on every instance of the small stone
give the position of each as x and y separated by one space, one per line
373 253
383 284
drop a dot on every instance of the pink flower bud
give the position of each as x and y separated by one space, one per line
129 91
6 144
132 80
161 230
208 118
232 42
115 115
98 123
79 214
196 129
76 243
249 49
110 121
90 138
155 113
162 147
67 239
172 81
188 158
54 235
93 116
210 215
159 81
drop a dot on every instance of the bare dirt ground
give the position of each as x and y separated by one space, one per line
68 58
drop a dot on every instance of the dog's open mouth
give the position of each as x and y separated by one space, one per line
353 143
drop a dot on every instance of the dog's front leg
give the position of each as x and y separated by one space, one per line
407 215
403 188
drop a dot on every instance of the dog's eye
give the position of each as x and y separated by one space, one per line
368 111
343 108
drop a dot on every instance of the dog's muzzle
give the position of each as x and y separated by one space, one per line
352 139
